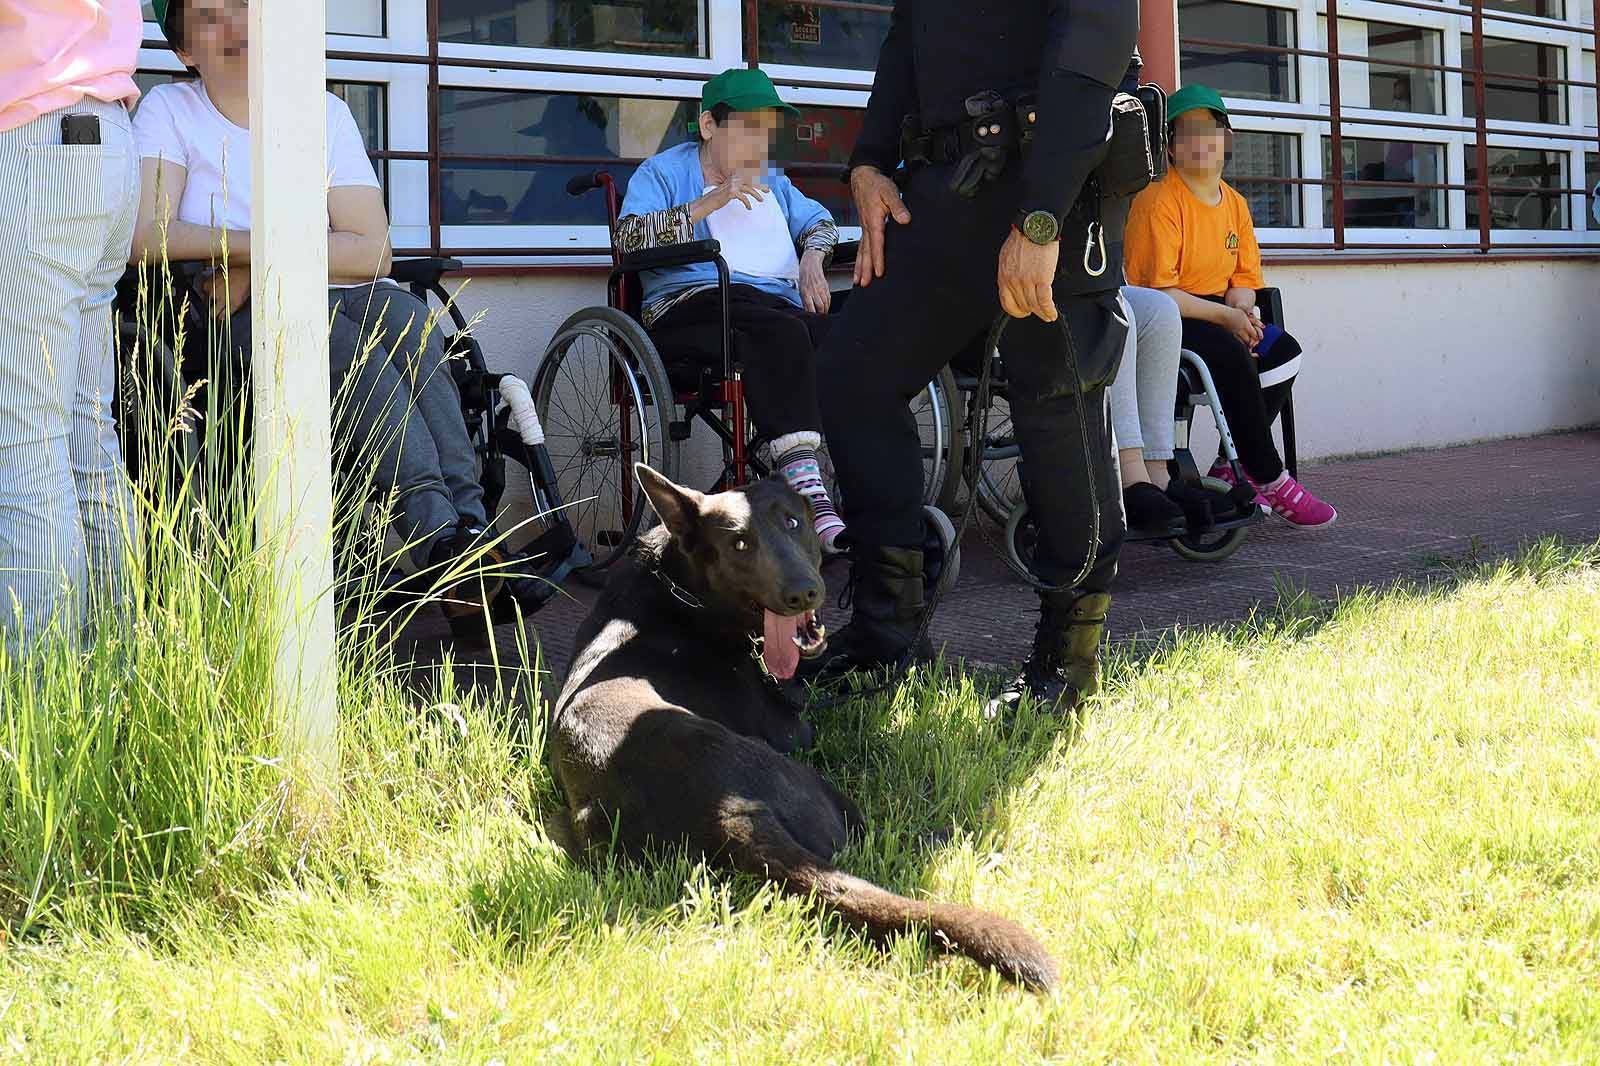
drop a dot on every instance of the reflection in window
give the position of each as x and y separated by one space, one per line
1381 85
1267 155
551 138
362 18
1548 9
1521 200
810 36
651 27
1398 161
1237 71
820 136
1516 99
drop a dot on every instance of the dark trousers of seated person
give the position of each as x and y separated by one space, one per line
1250 408
774 341
397 422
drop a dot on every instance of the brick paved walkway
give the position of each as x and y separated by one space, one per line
1399 516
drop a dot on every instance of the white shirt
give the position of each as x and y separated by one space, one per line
179 123
755 240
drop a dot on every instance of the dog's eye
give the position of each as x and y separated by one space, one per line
791 522
740 544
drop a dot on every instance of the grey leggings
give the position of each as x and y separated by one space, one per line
1143 396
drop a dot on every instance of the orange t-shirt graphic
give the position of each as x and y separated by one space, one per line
1174 241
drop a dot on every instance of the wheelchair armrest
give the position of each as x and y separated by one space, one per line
845 252
670 255
1270 303
425 272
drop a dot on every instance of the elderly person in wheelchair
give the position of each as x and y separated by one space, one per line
776 243
397 410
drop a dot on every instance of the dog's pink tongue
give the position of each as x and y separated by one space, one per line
778 649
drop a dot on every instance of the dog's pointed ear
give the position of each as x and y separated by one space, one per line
679 507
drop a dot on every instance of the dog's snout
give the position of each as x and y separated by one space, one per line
803 597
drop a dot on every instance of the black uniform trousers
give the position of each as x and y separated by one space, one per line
894 335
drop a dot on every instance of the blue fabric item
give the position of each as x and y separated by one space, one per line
1270 336
674 177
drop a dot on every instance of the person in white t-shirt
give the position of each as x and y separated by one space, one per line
398 418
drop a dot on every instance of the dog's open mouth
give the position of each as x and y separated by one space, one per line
789 638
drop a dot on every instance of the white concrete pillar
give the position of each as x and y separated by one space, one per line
289 297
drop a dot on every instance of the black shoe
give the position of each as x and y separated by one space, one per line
1064 667
1197 503
886 590
469 575
1151 513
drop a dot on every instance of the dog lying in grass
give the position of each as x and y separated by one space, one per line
672 730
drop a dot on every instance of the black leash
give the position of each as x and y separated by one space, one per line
974 460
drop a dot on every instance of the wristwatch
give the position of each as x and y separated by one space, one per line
1040 227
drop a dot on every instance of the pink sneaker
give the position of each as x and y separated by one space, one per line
1223 472
1294 504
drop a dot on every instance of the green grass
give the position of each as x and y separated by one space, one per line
1367 830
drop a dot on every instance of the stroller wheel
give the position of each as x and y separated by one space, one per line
1212 545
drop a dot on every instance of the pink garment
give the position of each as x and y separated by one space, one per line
54 53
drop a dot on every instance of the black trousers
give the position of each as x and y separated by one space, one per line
1250 409
773 340
937 292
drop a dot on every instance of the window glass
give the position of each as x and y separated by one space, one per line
1521 176
821 136
811 36
1548 9
1516 100
1586 95
1235 71
548 138
1591 181
360 17
649 27
1273 204
1398 161
1385 86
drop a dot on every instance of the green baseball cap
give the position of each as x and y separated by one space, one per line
743 89
1196 98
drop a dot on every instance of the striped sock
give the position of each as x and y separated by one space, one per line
804 475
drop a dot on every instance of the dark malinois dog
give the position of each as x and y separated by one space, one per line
672 727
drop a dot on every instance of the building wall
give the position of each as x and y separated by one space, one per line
1403 355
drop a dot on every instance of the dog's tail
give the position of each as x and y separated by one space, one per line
983 937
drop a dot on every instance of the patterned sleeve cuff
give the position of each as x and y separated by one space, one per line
654 229
821 238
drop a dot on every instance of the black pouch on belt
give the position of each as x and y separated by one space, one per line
988 139
1127 166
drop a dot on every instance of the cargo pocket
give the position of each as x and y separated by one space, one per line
68 203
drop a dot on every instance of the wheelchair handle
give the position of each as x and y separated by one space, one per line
582 183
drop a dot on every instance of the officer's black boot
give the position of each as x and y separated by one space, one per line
1064 666
886 592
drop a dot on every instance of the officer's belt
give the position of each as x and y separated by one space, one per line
949 144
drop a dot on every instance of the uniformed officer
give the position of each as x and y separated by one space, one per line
984 223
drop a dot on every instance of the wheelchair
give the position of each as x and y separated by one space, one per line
501 419
608 398
999 488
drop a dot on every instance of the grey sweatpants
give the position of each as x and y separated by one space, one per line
66 221
397 411
1143 396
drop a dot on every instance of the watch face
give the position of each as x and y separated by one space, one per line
1040 227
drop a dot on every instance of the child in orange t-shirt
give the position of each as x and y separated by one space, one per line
1190 235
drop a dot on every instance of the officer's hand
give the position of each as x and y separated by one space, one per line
877 198
814 292
1027 271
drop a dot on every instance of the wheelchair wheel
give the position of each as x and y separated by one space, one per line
1022 538
999 486
940 551
1214 545
605 401
934 409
